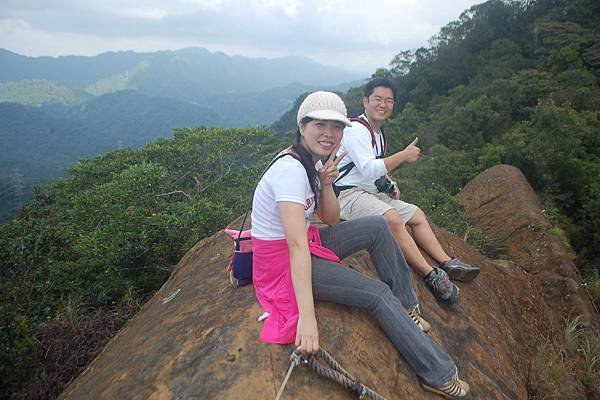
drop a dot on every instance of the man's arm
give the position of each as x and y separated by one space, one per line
409 155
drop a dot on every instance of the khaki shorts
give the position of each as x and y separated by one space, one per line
356 203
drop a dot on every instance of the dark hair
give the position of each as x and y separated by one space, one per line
306 160
377 82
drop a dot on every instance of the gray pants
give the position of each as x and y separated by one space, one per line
386 299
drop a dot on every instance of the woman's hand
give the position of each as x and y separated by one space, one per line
307 334
328 173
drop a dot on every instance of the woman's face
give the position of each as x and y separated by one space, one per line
320 137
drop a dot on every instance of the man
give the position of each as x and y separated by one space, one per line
360 195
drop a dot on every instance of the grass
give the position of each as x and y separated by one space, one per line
592 285
565 371
573 334
548 374
559 233
590 367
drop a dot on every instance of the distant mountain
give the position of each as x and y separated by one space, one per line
134 118
90 105
265 107
186 74
33 92
287 121
75 72
39 143
36 148
242 90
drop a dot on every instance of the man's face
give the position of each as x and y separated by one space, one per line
379 105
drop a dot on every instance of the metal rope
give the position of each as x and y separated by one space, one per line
295 360
325 365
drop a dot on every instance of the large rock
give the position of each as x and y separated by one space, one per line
505 208
197 338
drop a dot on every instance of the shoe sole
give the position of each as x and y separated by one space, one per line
463 275
453 299
437 391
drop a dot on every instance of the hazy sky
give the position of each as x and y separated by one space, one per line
359 35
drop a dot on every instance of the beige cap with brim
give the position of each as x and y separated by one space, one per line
325 106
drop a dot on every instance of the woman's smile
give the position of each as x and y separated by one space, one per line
321 137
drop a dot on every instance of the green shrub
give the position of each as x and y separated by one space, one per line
117 226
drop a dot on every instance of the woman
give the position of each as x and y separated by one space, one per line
295 263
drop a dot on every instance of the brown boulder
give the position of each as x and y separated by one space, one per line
506 209
197 338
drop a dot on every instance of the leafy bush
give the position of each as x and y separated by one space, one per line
118 225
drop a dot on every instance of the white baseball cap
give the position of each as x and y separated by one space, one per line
326 106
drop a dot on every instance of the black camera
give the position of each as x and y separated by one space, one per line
384 185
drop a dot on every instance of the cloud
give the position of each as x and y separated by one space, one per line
351 33
290 7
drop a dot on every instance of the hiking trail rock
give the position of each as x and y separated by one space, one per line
197 338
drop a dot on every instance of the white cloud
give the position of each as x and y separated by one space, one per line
20 37
357 34
155 9
10 26
290 7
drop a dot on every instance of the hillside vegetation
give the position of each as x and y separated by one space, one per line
40 143
508 82
37 92
107 237
515 83
56 110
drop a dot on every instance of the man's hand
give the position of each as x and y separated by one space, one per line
329 172
412 152
396 195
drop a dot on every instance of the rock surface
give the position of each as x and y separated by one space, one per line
197 338
507 210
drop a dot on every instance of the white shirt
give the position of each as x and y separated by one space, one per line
367 168
286 180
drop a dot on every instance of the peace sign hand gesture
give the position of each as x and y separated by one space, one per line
328 173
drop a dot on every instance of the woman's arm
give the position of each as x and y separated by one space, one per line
328 206
294 225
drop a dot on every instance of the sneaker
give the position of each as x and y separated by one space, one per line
459 271
452 389
441 287
421 323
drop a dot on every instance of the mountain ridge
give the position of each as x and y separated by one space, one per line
90 69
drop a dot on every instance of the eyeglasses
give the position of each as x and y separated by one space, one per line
388 101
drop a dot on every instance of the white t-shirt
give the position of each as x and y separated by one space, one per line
367 167
286 180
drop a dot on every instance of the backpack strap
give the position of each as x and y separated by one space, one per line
364 122
237 241
345 170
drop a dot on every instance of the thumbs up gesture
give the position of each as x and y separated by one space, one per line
412 151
